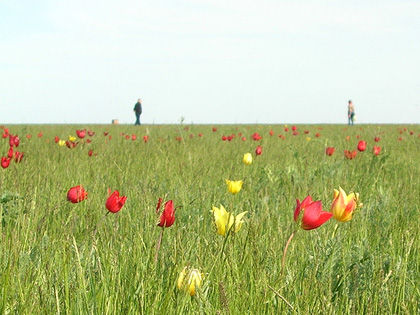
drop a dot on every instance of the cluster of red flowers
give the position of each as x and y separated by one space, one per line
361 147
12 153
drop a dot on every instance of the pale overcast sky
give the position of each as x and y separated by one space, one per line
210 61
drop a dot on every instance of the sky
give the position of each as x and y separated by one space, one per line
209 61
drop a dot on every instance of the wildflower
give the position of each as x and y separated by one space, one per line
224 220
247 159
313 216
115 202
189 280
234 186
343 206
76 194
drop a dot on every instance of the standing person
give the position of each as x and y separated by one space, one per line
350 112
137 111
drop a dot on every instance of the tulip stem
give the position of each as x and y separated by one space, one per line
159 241
283 260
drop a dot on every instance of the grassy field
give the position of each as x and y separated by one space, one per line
60 257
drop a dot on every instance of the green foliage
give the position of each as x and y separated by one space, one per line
58 257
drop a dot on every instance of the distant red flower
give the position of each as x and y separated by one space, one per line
224 138
282 137
179 139
230 138
256 136
313 216
127 137
271 132
114 202
81 133
106 133
400 138
88 140
214 129
91 133
200 134
191 136
306 132
14 141
5 161
411 133
361 146
286 129
358 136
295 133
294 128
40 134
18 156
329 151
90 153
347 138
350 154
133 137
243 138
376 150
10 152
377 139
28 136
167 218
76 194
145 138
71 144
317 135
258 150
56 139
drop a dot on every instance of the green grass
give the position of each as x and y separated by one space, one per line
58 257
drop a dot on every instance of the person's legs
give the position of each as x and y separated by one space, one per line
137 119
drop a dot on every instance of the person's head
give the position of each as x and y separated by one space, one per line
139 100
350 102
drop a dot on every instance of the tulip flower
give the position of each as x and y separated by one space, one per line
317 135
133 137
376 150
14 141
18 156
189 280
258 150
247 159
72 138
234 186
361 146
167 218
56 139
5 161
329 151
294 128
91 133
214 129
224 220
76 194
313 216
81 133
61 143
343 206
377 139
350 154
40 134
256 136
10 152
271 132
115 202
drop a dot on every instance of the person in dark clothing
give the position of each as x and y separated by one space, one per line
137 111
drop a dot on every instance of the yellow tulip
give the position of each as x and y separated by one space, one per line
224 220
189 280
234 186
308 138
247 158
72 138
343 206
61 143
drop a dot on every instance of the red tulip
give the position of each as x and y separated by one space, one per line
350 154
200 134
18 156
361 146
91 133
256 136
295 133
376 150
71 144
127 137
10 153
145 138
329 151
40 134
179 139
167 218
258 150
14 141
90 153
224 138
88 141
214 129
106 133
294 128
28 136
56 139
286 129
271 133
229 138
317 135
114 202
5 161
313 216
76 194
377 139
243 138
306 132
81 133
